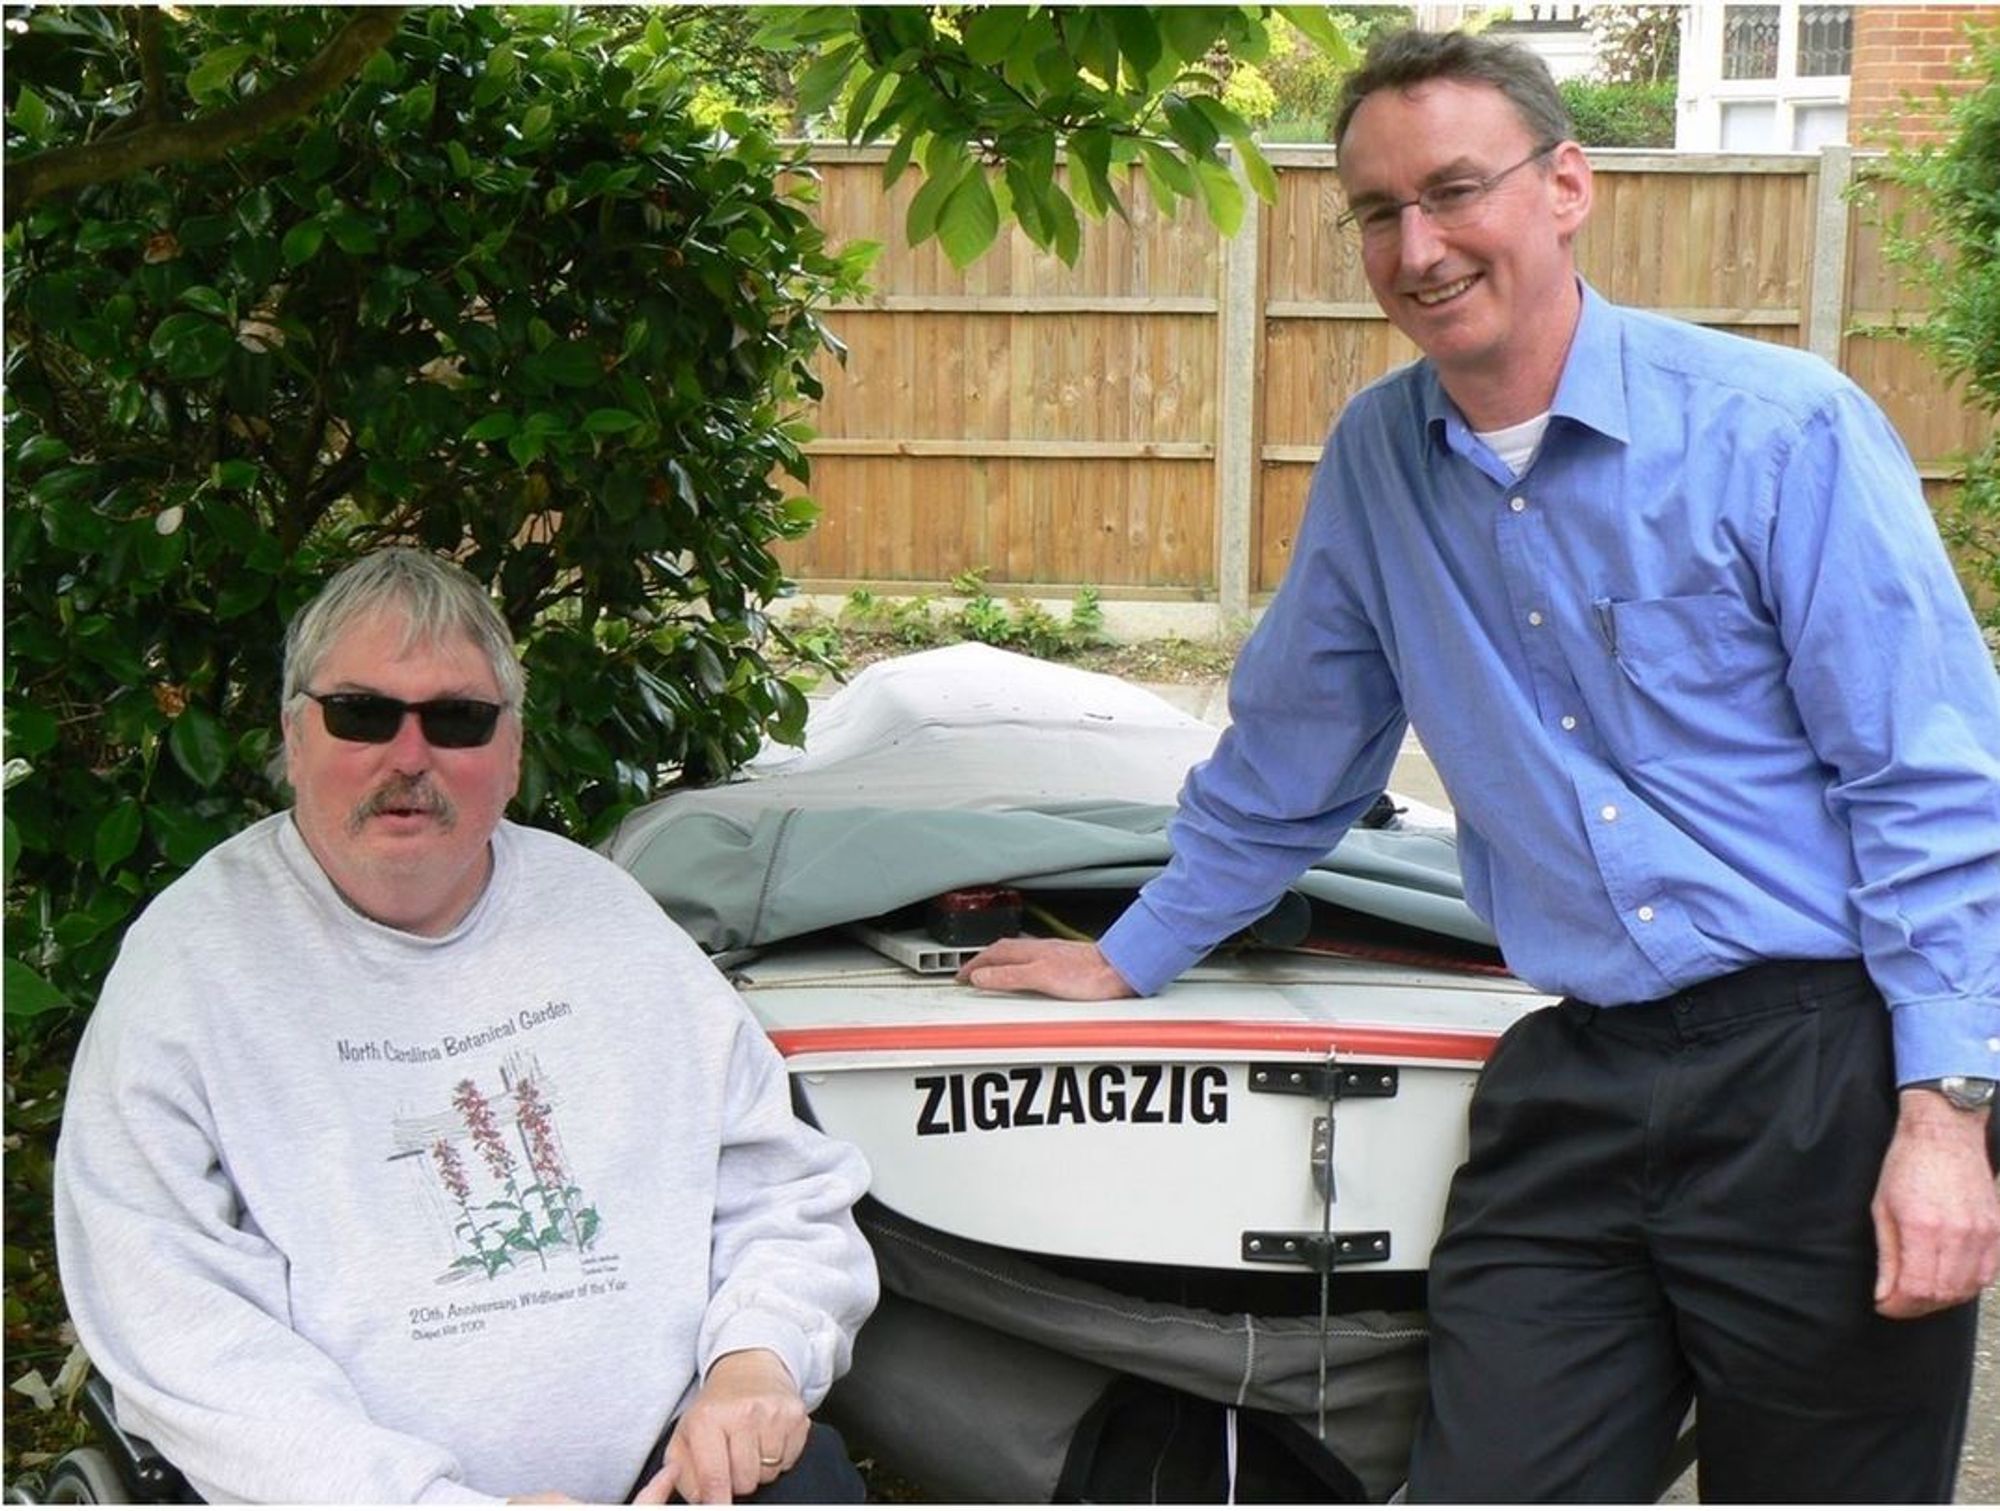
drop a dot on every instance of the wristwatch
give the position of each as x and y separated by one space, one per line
1966 1093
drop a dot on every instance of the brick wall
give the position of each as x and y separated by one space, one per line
1902 55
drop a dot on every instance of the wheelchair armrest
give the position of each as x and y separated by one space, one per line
152 1479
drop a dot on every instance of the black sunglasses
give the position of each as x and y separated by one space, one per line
373 718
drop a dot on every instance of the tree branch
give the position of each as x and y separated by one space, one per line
151 69
205 137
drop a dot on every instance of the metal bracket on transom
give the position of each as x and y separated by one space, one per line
1316 1251
1326 1081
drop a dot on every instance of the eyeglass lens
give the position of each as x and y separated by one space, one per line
374 718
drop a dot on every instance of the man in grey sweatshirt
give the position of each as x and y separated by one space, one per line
412 1155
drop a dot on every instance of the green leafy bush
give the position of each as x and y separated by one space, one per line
501 296
1620 115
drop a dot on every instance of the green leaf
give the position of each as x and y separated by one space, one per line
821 82
1028 198
1320 28
1066 230
31 731
218 68
864 101
536 121
318 155
10 854
191 346
788 722
41 450
29 994
1096 42
240 595
992 31
921 220
573 364
182 836
353 234
899 156
199 745
1221 194
32 114
1189 126
235 475
609 421
117 834
1138 37
1188 31
1257 169
1169 175
207 300
494 427
969 220
254 210
1090 151
302 242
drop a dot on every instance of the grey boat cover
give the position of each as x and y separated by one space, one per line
998 1357
972 766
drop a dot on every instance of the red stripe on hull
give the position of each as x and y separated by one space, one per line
1208 1036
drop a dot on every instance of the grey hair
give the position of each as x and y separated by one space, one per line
438 600
1403 59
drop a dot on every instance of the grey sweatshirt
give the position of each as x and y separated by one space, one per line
345 1213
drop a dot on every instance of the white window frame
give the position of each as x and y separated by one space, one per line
1703 90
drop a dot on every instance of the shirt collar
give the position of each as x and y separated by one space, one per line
1591 390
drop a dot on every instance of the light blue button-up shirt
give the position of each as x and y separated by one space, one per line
1700 682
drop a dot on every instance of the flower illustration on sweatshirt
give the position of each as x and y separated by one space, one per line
497 1159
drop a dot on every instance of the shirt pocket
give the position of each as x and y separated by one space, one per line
1686 672
1696 643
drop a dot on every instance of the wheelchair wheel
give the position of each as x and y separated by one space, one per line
85 1477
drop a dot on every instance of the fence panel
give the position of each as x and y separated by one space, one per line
1051 427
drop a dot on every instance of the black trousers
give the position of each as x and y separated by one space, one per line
823 1476
1669 1202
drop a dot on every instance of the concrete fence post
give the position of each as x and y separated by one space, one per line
1239 337
1826 311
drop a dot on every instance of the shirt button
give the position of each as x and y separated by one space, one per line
1609 813
1569 721
1517 504
1535 617
1645 915
1994 1045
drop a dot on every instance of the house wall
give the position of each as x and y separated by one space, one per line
1903 55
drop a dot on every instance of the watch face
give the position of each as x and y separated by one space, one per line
1968 1093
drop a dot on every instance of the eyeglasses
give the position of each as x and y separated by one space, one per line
1448 204
374 719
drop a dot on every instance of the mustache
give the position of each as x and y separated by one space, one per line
405 795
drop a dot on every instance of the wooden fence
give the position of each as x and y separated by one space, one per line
1146 422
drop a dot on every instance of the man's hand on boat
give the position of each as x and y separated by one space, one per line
1072 969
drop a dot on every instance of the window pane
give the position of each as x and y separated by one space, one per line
1826 41
1749 126
1815 126
1750 42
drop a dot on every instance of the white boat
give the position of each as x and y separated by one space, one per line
1181 1229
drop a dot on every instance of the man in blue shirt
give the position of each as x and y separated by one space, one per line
1671 617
